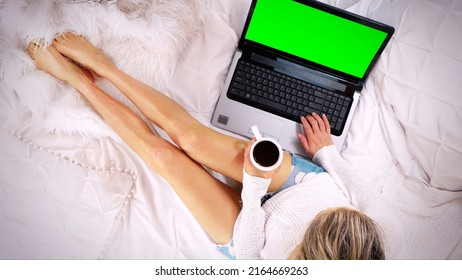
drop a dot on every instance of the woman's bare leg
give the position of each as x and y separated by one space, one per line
214 205
215 150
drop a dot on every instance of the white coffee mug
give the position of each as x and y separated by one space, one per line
266 153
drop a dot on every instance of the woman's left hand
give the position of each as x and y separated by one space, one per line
251 169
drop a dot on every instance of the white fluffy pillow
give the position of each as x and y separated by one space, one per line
144 38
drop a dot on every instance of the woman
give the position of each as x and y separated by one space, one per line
308 213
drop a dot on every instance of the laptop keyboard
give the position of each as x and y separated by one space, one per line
286 96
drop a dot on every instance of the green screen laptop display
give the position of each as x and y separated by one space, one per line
315 35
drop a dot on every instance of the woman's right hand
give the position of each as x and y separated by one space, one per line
317 133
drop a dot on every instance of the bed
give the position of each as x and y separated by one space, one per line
71 189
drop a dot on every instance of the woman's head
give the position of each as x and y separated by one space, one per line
341 233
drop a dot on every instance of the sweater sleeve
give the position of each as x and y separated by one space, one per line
249 229
346 178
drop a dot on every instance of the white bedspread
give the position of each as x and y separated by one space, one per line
69 188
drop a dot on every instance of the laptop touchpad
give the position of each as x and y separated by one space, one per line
269 126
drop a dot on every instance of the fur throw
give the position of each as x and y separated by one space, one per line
143 38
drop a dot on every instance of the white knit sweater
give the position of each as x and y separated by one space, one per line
274 230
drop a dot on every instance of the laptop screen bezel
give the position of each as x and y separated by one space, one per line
389 30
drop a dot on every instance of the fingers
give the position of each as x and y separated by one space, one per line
326 123
313 123
317 133
307 127
319 122
316 123
303 141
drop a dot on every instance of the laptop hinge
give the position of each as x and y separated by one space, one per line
359 86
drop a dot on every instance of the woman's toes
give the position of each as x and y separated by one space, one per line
34 46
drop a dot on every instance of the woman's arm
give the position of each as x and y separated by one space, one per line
249 230
346 178
319 145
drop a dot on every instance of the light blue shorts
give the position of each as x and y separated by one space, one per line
228 249
300 167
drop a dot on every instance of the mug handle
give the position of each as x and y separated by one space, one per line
256 132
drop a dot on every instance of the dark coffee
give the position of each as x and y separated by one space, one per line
266 153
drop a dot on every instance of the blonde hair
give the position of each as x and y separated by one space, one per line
340 234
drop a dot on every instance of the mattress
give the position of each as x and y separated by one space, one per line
71 189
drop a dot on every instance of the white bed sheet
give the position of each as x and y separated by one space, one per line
65 196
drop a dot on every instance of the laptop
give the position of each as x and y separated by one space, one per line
296 57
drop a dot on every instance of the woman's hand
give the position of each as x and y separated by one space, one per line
251 169
317 133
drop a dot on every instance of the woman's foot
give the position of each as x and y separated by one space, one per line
49 60
83 52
